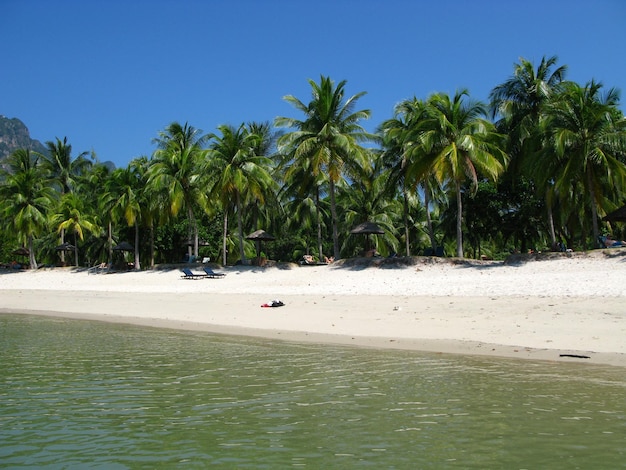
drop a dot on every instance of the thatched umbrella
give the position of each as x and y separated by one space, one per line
124 246
258 237
367 228
201 242
68 248
618 215
65 247
21 251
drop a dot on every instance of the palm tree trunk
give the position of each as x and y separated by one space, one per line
594 209
459 221
137 265
333 214
429 222
240 229
31 253
75 250
192 232
405 203
550 219
224 248
320 249
152 245
62 252
110 243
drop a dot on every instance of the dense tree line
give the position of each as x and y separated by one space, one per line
535 168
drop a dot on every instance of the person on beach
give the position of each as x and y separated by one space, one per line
608 241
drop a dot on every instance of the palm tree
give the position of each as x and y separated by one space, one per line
237 174
588 133
127 187
263 213
91 187
521 101
63 170
19 161
402 150
25 201
176 168
303 190
327 140
152 202
72 217
459 145
367 199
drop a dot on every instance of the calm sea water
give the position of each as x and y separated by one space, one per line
79 394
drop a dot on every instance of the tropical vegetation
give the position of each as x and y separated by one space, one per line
535 168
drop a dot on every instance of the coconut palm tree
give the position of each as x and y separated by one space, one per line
263 213
403 152
25 202
127 186
19 161
521 99
303 191
95 188
64 170
237 174
72 216
367 200
457 145
328 139
588 134
177 168
520 102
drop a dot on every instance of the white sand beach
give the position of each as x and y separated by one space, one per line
541 307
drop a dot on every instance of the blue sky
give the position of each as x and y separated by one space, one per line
111 74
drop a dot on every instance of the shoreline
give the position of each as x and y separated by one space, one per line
539 329
530 307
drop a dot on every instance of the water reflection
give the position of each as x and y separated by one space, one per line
80 393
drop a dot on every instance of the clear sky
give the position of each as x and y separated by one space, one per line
110 74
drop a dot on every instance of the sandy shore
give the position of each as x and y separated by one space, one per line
543 308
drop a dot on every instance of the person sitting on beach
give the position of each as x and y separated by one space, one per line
328 260
609 242
308 259
371 253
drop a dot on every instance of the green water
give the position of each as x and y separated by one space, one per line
78 394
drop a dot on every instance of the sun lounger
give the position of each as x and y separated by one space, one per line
187 274
212 274
99 269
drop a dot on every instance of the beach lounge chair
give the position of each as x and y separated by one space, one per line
212 274
308 260
99 268
187 274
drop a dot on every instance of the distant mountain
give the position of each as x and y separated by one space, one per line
15 135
